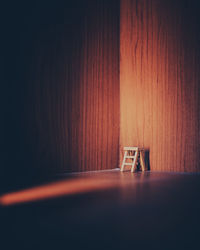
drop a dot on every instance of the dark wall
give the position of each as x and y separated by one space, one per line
61 87
160 81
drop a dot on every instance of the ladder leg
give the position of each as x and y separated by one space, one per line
124 160
135 160
142 162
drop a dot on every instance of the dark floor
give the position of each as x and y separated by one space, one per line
148 210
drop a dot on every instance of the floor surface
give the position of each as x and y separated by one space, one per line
107 210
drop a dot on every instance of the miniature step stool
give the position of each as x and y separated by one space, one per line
127 155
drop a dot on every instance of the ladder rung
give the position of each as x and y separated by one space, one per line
131 148
130 164
130 156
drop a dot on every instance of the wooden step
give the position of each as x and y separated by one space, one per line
130 164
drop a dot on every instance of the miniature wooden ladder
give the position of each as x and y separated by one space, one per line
133 157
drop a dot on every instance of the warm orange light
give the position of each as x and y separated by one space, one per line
56 189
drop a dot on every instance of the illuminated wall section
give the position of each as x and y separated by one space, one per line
160 82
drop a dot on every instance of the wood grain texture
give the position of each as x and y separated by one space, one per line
160 82
69 84
81 91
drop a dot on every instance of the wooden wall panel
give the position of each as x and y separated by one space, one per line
81 91
66 96
160 81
